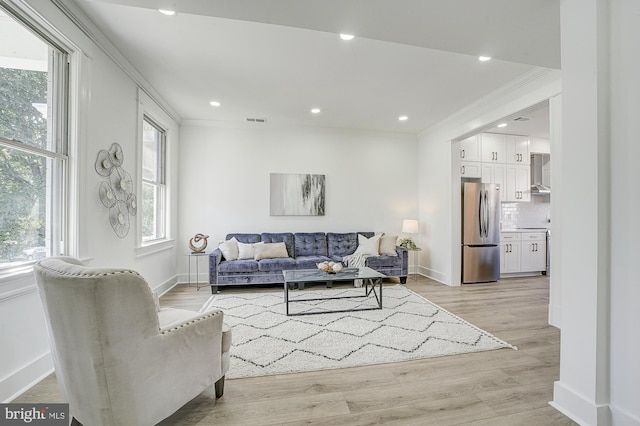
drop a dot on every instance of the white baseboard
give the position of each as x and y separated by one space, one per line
434 275
166 286
17 383
555 315
623 417
578 408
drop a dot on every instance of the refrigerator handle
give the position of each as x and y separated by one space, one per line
481 215
486 213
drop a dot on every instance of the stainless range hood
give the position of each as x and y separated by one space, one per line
540 174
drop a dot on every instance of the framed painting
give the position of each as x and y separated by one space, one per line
297 194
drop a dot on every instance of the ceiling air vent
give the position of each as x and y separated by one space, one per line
256 119
522 119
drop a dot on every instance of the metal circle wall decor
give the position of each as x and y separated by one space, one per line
116 192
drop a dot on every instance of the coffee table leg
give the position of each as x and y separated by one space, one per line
286 298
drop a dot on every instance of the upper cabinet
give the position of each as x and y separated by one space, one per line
470 149
517 149
493 148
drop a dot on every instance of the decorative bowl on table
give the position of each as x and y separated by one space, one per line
330 267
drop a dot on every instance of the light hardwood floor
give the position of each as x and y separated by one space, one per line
500 387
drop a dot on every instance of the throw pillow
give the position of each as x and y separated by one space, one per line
229 249
370 246
388 245
246 251
270 251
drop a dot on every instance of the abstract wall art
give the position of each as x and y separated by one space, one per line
297 194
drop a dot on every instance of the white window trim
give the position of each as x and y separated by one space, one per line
22 275
148 108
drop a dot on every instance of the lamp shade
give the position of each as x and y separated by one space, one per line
410 226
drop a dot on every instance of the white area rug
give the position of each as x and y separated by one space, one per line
266 341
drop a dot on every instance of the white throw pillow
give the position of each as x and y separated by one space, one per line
388 245
229 249
370 246
246 251
270 251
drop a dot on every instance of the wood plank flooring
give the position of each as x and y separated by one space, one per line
500 387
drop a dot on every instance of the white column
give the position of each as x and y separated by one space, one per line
600 203
583 389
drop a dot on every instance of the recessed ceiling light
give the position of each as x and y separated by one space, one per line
214 103
403 118
347 37
315 110
167 12
484 58
502 125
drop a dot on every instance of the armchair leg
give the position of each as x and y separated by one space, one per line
219 386
403 280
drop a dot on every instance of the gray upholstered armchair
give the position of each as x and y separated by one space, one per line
119 360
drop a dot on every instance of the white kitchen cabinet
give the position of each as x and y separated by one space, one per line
470 169
510 261
517 150
534 251
518 183
470 149
493 148
495 173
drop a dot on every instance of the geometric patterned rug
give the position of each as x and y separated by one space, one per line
265 341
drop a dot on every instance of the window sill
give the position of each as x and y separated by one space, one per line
154 247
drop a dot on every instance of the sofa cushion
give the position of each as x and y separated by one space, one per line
310 244
340 245
279 264
285 237
370 246
229 249
246 251
244 265
309 262
383 262
388 245
270 251
245 238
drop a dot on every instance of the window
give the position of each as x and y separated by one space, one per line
153 181
33 144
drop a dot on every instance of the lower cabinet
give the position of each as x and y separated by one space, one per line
534 251
510 253
523 252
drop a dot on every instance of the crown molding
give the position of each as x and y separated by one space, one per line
70 10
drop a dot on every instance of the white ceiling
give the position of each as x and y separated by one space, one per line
276 59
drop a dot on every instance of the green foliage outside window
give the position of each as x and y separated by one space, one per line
22 175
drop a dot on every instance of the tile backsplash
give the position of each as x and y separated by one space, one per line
535 214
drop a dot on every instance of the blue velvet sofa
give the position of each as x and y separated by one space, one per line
305 250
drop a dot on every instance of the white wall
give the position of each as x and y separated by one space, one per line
371 179
439 182
105 99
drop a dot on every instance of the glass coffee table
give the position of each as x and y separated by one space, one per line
369 277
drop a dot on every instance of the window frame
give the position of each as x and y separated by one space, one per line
159 184
147 107
58 192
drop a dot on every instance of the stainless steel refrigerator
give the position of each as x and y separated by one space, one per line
480 232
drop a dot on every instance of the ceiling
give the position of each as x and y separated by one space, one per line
277 59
